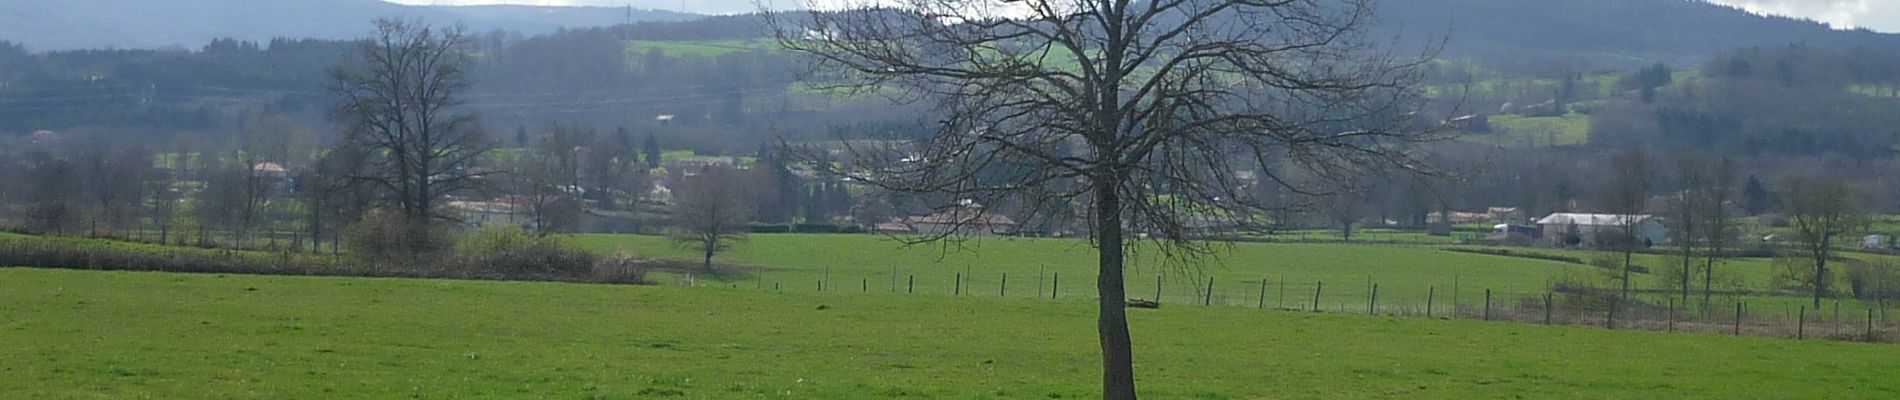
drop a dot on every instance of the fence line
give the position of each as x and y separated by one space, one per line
1566 306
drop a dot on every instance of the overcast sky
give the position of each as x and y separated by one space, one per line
1880 15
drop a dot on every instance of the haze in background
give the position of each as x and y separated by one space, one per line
1879 15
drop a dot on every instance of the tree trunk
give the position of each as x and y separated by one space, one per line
1118 361
1688 265
711 244
1709 279
1820 278
1628 258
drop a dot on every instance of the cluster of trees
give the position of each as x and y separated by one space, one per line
1797 101
182 191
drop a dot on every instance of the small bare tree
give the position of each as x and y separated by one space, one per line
1718 224
542 178
711 211
1626 197
1685 209
1820 210
1138 112
399 100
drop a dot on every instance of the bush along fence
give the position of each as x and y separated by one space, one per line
1738 314
532 260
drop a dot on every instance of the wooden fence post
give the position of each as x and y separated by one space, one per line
1157 289
1263 294
1548 306
1487 304
827 280
1801 324
1672 314
959 289
1003 289
1055 283
1372 306
1042 272
866 283
1282 291
1738 318
1870 324
1431 295
911 285
1609 320
1209 299
1316 289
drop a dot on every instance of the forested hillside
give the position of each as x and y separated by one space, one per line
141 24
1525 36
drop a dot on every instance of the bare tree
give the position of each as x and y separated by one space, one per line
1626 198
332 198
1820 210
400 100
52 194
113 175
1137 112
1346 210
1718 223
1685 222
711 211
219 205
544 176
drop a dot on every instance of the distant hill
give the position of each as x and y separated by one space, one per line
1613 33
68 24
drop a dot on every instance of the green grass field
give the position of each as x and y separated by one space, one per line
75 334
1515 130
1406 274
698 48
852 262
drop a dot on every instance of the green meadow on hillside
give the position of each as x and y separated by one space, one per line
855 262
75 334
1407 276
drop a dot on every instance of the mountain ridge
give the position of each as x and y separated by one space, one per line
53 25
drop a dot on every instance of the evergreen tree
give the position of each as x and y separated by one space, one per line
652 152
1756 197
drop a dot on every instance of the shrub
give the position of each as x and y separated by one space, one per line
621 268
770 228
816 228
1873 282
388 239
47 252
510 253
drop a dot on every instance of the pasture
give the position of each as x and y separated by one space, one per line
853 262
1409 278
155 335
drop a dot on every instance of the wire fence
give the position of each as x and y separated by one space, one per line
1729 314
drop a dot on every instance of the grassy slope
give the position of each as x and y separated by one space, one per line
1404 272
114 334
1514 130
698 48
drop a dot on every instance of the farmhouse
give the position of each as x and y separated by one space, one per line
692 166
967 218
1876 242
272 178
1592 230
503 212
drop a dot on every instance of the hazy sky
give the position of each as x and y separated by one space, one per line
1880 15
